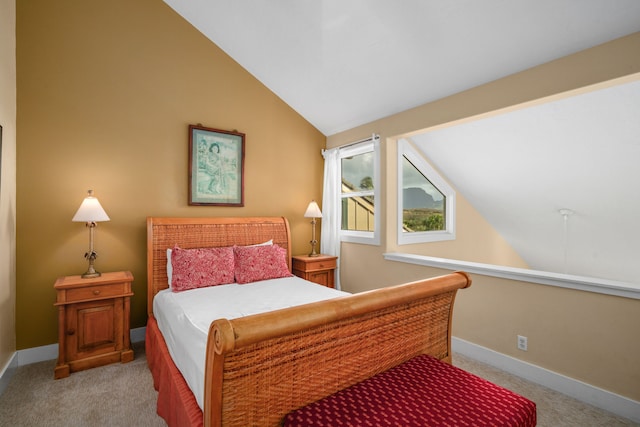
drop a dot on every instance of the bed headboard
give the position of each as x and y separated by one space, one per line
187 233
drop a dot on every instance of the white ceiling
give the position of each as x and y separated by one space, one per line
343 63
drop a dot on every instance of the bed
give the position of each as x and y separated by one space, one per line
260 367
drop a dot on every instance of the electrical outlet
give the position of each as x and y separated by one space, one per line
522 343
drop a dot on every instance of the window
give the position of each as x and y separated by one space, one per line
426 203
359 192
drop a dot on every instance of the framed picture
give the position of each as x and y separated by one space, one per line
216 167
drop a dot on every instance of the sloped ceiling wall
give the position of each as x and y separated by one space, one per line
581 153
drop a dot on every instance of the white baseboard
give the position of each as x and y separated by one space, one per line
7 372
37 354
579 390
49 352
138 334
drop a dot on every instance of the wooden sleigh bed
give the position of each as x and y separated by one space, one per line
263 366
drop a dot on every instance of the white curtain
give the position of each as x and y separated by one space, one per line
331 223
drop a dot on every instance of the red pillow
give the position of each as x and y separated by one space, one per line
201 267
255 263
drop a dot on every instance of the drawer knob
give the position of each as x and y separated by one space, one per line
96 292
71 331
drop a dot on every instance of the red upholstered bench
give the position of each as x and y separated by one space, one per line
422 391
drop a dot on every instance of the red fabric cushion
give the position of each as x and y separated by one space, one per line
255 263
420 392
202 267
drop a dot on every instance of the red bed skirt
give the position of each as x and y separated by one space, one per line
420 392
176 403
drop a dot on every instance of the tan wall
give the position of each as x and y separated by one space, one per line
582 335
106 91
7 181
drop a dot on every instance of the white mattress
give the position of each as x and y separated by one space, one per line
184 317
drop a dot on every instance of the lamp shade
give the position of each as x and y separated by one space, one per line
313 211
90 210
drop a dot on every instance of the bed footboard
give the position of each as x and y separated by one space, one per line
261 367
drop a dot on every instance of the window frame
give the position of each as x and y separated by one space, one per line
363 237
405 149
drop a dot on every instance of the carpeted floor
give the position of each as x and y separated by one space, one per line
123 395
112 395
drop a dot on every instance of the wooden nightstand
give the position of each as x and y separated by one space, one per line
93 321
319 269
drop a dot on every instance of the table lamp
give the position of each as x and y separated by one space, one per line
90 212
313 212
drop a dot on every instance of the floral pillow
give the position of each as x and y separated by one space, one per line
170 267
201 267
255 263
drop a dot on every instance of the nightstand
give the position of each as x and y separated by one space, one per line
93 321
318 269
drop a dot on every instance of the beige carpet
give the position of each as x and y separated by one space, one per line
123 395
112 395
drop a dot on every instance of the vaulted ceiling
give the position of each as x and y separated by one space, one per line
342 63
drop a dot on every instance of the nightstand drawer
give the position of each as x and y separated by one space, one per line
322 264
95 292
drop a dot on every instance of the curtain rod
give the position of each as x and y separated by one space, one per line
371 138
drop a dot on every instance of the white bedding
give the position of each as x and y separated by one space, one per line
184 317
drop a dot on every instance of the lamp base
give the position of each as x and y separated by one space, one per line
91 275
91 271
313 248
313 241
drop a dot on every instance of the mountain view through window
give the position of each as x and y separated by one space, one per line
423 205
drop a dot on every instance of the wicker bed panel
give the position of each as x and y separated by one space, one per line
328 358
187 233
